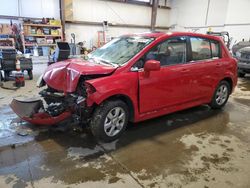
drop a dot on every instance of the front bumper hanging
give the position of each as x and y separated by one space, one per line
31 111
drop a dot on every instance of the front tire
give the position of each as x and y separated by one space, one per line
109 120
221 95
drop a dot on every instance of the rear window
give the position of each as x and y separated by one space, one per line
204 48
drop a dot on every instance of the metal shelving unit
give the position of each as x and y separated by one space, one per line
27 27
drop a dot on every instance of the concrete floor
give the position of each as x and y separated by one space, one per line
198 147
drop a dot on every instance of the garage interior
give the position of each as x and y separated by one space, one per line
195 147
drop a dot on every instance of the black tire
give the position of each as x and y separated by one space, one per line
214 103
241 74
99 118
30 73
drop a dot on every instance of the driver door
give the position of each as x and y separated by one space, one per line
166 87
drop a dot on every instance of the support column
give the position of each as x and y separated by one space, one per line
154 14
62 17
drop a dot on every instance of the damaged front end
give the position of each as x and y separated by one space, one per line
52 108
65 94
35 113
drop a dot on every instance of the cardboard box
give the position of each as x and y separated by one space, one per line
5 29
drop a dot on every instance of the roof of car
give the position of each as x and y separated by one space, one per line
162 34
155 34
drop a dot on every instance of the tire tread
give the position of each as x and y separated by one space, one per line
96 123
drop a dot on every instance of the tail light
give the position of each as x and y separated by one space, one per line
89 88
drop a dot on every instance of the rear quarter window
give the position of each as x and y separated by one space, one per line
215 47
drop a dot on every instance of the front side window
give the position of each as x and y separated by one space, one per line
120 50
170 52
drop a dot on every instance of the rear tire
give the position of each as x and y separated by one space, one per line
109 120
221 95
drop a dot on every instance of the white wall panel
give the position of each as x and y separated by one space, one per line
193 13
89 33
223 15
50 9
238 11
9 7
217 12
113 12
162 18
188 12
30 8
98 11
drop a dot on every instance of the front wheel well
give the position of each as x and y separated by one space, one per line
127 101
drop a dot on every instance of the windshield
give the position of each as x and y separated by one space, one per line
119 50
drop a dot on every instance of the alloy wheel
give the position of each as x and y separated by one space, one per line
221 94
114 121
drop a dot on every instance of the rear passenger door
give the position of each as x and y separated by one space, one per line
204 66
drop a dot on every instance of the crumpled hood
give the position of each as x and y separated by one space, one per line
64 75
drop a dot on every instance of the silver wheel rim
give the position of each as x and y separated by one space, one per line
114 121
221 94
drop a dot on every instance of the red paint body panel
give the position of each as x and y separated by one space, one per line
64 76
160 92
125 84
28 110
164 88
46 119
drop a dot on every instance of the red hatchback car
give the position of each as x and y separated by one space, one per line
134 78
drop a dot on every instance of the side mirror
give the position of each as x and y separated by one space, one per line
152 65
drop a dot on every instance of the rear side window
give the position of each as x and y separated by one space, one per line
204 48
200 48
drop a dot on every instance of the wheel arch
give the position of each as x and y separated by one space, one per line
126 99
230 81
